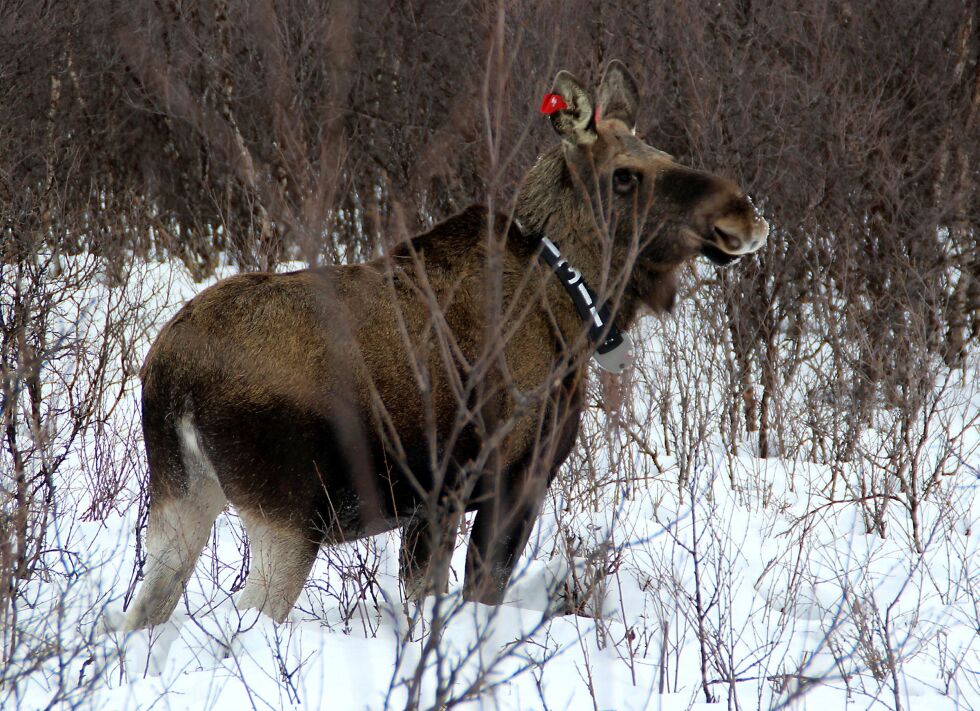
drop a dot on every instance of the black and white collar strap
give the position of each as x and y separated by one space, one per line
613 348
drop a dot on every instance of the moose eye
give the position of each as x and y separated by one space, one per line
624 180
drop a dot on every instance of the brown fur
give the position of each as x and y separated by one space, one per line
339 402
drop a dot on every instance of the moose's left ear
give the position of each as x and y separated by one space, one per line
619 96
571 110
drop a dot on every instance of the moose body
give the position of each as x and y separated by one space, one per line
334 403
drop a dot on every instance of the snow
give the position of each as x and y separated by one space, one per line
799 602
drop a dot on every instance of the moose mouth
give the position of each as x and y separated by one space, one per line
717 256
722 247
712 244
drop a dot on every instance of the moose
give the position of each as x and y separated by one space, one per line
446 376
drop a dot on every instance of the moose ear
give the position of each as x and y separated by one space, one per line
618 94
572 110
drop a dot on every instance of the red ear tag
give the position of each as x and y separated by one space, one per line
597 114
552 103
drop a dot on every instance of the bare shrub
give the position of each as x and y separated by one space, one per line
260 132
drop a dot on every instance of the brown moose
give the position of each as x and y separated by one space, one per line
334 403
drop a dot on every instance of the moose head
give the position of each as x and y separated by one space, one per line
616 203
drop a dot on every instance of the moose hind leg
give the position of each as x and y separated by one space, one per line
185 498
176 533
282 556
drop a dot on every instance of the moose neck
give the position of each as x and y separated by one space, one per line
551 204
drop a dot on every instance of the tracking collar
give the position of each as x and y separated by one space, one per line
612 347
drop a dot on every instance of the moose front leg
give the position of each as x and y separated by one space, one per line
504 519
427 546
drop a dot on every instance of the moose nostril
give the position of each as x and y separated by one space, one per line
729 240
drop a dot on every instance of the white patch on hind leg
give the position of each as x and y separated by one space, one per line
196 462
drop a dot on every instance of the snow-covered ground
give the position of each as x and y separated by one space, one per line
746 582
